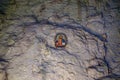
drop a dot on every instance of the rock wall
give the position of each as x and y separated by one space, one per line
27 50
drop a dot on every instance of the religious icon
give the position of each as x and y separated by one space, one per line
60 40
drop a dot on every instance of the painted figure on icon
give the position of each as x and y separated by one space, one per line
60 40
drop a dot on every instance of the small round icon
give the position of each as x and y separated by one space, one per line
60 40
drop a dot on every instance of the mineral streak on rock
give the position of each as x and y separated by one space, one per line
28 29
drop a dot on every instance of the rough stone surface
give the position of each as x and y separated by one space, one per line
27 49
